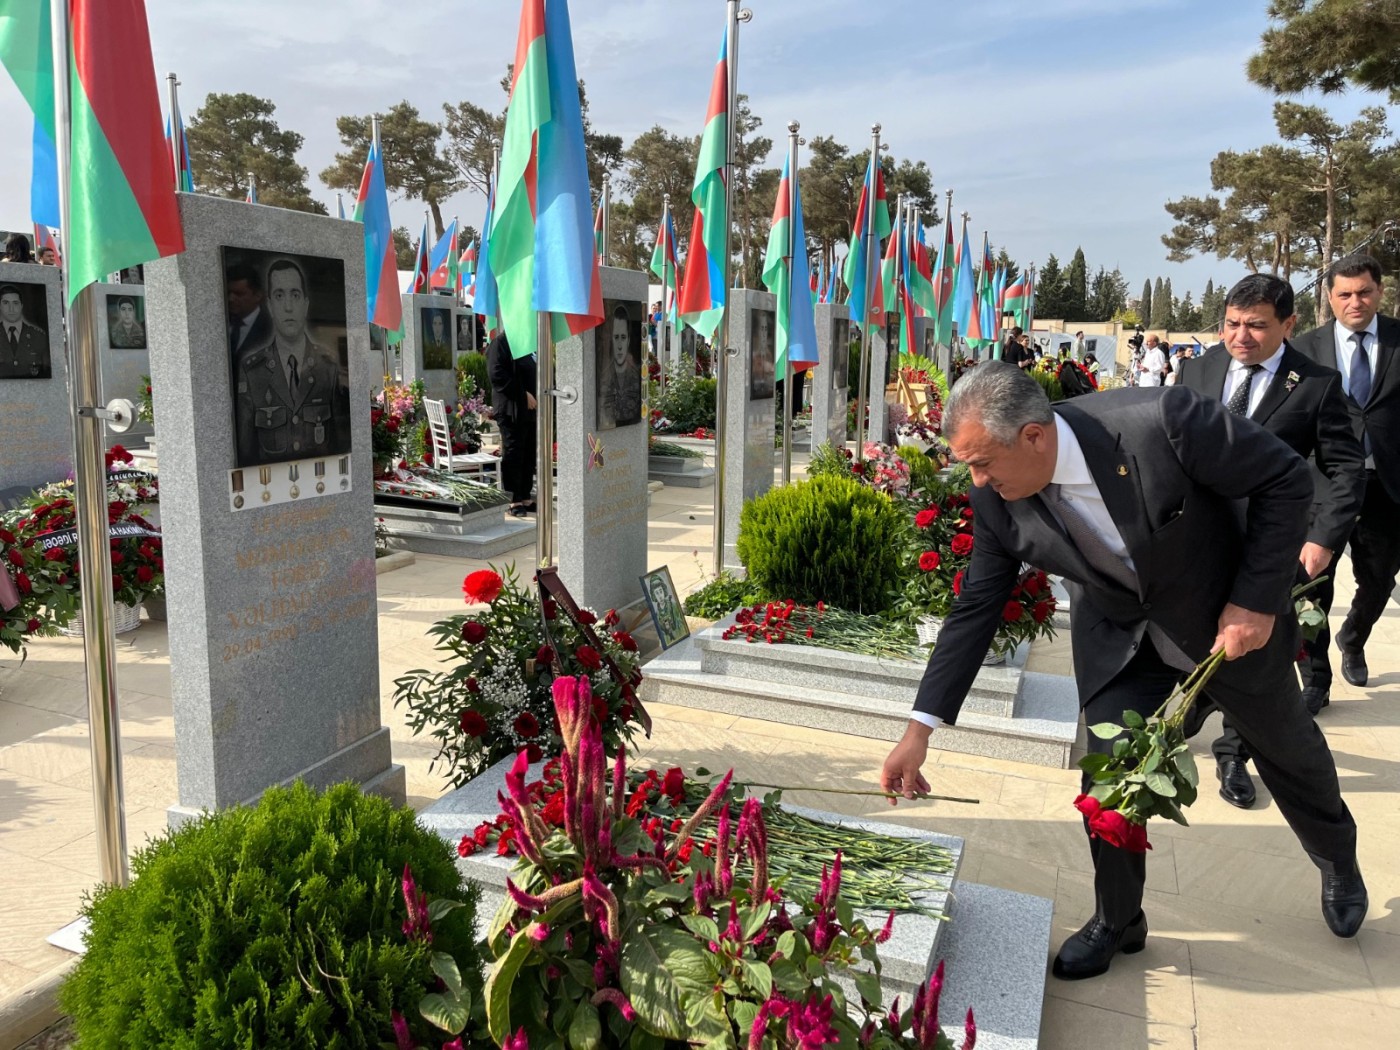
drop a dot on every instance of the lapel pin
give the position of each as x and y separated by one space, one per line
1122 471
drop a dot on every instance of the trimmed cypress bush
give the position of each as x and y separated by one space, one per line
923 472
277 925
828 539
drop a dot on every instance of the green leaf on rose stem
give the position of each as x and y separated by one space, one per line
1161 785
500 983
868 986
1106 730
1185 793
1092 763
1185 763
1121 748
445 1012
759 978
787 941
446 968
702 926
1133 720
1153 762
1105 776
1172 810
662 970
585 1029
1135 778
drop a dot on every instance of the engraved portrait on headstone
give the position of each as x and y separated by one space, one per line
126 322
24 332
619 364
132 275
762 354
930 342
436 334
841 353
464 332
688 343
291 390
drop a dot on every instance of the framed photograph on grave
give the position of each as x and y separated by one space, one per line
665 607
291 396
24 331
126 322
762 355
688 343
930 342
435 337
132 275
840 353
466 343
619 364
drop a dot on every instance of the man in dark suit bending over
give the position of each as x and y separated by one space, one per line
1362 345
1255 373
1177 525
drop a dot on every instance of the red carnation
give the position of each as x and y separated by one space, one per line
962 544
526 725
1011 612
473 632
533 752
625 640
473 724
926 517
32 626
928 561
1112 827
466 847
674 785
482 586
588 656
553 811
145 574
1042 611
22 584
15 556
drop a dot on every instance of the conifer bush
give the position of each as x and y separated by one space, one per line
827 539
277 925
923 471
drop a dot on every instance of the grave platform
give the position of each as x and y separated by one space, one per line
993 942
1010 713
452 530
680 471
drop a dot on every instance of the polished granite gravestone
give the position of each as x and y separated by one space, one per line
993 942
750 404
830 383
123 347
429 340
36 429
877 406
274 655
601 465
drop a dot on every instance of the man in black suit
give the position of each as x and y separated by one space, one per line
513 405
1256 374
249 323
1177 525
1362 345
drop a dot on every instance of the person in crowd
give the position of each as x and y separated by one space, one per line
1152 369
1362 344
47 256
1116 493
513 388
1079 347
17 249
249 324
1257 375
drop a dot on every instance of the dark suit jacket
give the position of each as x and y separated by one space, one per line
258 335
1172 467
1379 417
511 379
31 359
1311 416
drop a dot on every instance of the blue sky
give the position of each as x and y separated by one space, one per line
1057 123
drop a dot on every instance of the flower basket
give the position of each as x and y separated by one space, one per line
927 629
125 619
994 658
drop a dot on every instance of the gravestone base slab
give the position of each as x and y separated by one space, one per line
680 471
478 535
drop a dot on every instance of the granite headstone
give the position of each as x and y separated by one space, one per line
428 342
602 440
273 629
876 405
830 385
36 430
750 405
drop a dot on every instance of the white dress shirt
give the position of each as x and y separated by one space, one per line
1154 363
1077 486
1262 378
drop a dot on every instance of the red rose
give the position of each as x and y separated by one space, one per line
117 558
674 785
55 554
473 632
145 574
625 640
32 626
962 544
588 656
473 724
482 586
1112 827
586 617
1042 611
472 686
928 561
22 584
117 582
6 536
926 517
526 725
967 514
533 752
1011 612
544 655
16 558
957 582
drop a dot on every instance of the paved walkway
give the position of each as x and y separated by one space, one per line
1239 956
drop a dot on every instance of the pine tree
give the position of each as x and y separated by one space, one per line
1145 306
1077 287
233 135
1050 290
1161 316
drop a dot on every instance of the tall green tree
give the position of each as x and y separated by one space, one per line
1186 317
658 163
1153 318
1076 288
405 250
1326 44
1163 305
1145 303
1108 295
755 188
1051 290
232 135
414 163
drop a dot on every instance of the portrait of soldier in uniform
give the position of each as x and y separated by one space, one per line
665 608
291 398
24 342
619 364
437 339
125 326
763 351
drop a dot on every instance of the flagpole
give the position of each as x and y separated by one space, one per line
607 209
663 342
788 377
871 249
721 351
379 152
544 452
90 500
176 152
962 239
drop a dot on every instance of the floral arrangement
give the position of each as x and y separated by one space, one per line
786 621
440 486
494 699
395 415
145 408
883 469
36 595
609 935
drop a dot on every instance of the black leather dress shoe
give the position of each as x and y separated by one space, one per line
1236 785
1344 903
1089 952
1354 668
1316 697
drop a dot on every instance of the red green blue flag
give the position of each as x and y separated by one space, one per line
703 296
466 270
786 273
442 264
598 232
26 51
867 304
485 300
178 146
421 281
381 261
665 261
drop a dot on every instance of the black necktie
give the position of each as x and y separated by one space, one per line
1360 370
1239 400
14 342
296 377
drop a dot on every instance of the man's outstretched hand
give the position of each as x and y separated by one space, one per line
900 773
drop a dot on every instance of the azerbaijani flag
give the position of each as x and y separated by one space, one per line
26 50
598 231
1014 299
786 273
421 281
383 306
442 264
44 238
867 304
889 268
339 206
485 299
703 296
943 287
179 147
466 269
964 291
921 277
665 261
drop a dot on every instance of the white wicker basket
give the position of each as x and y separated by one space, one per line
927 629
993 658
125 619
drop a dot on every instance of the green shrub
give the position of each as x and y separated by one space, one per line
688 401
923 472
474 364
277 925
827 539
722 595
829 461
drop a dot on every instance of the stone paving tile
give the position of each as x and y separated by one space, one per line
1239 1014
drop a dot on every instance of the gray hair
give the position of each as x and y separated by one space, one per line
1000 396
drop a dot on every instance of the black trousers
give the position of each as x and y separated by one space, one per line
1292 756
518 454
1375 561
